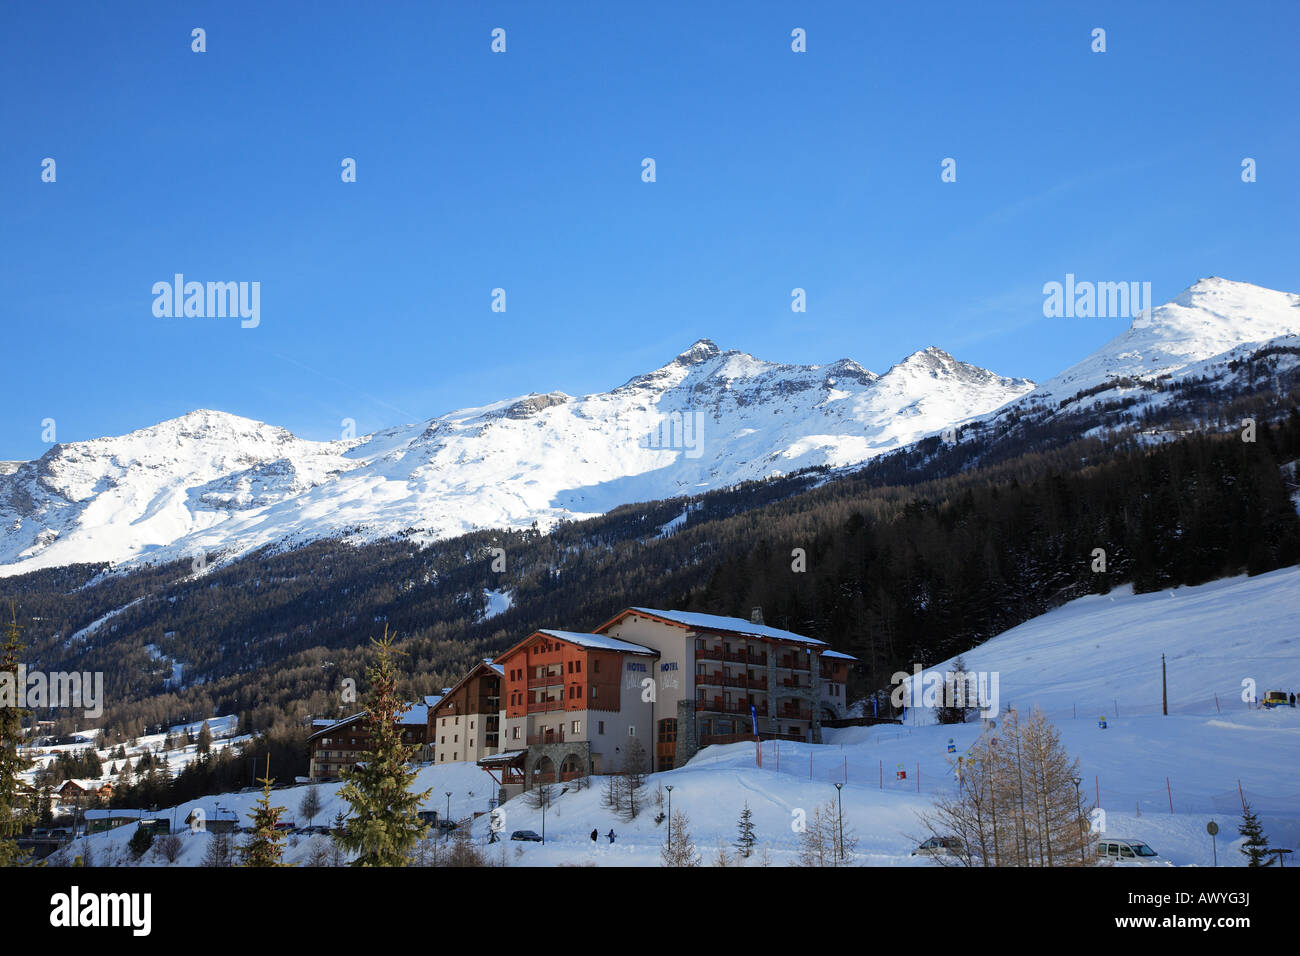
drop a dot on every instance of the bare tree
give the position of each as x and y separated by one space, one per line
680 850
1017 801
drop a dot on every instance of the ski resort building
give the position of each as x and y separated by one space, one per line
568 710
466 721
724 679
677 681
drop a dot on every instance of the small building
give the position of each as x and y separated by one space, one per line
97 821
81 793
219 820
343 743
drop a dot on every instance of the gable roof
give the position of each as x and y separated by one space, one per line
595 642
699 621
447 692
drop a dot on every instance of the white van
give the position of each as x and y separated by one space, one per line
1131 852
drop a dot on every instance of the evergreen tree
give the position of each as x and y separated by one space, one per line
140 841
1255 849
745 840
384 826
205 739
264 846
14 811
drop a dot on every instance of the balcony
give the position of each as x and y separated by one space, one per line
794 713
545 706
717 705
552 737
797 662
547 680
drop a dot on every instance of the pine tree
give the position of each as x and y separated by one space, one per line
140 841
14 811
205 739
1255 849
745 840
680 849
264 846
384 826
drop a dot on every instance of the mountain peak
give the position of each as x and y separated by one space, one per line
701 351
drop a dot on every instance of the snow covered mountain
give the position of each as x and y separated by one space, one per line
1204 326
211 482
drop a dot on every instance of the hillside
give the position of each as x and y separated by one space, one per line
1099 653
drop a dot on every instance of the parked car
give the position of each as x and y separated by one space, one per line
938 846
528 836
1129 852
1275 698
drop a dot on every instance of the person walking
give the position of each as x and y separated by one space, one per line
595 835
611 836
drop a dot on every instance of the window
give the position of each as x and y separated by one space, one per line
595 666
515 734
577 667
577 726
631 730
593 691
600 727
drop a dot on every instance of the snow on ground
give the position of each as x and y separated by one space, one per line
1099 654
496 602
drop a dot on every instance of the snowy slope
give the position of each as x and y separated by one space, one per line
210 482
1094 655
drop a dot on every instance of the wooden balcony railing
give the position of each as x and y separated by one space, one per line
545 706
548 680
555 737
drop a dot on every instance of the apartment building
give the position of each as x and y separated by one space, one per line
467 720
722 679
336 745
571 702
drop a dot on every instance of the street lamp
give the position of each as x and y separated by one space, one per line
1078 805
444 830
839 794
670 818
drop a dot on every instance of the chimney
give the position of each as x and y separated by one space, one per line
756 616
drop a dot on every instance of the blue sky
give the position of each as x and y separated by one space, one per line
522 170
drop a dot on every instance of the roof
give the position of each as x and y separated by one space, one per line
415 713
84 784
220 813
486 662
839 654
699 621
599 642
338 723
510 756
122 814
